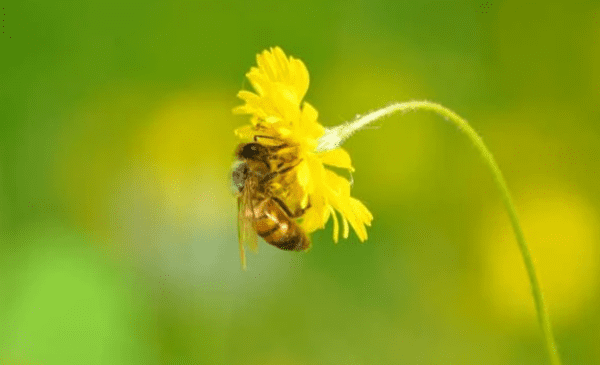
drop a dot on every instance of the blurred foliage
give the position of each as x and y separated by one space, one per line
118 229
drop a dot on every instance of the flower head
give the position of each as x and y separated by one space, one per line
279 115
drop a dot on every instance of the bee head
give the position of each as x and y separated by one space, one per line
251 151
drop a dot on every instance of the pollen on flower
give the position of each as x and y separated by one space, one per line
280 117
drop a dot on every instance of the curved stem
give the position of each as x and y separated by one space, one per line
334 137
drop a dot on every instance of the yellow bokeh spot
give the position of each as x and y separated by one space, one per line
180 161
561 229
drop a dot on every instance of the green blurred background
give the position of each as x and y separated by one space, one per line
118 229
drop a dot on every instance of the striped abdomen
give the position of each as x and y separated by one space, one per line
273 224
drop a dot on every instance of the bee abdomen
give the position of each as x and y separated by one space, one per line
295 242
289 237
279 230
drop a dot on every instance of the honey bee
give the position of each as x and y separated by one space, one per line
259 210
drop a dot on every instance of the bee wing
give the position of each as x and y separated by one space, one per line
246 234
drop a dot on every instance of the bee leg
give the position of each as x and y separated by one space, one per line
307 205
289 167
256 137
284 147
259 208
287 210
283 206
268 177
277 148
272 174
301 211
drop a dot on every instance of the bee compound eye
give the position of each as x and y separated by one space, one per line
251 150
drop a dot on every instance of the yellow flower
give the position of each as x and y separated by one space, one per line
279 114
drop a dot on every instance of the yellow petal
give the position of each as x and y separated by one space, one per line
257 80
304 201
309 114
313 218
245 132
265 64
247 95
304 175
357 215
241 109
346 230
364 213
338 158
299 77
336 227
339 185
282 62
308 122
278 74
285 132
271 119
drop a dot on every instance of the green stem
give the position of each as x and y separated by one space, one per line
335 136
